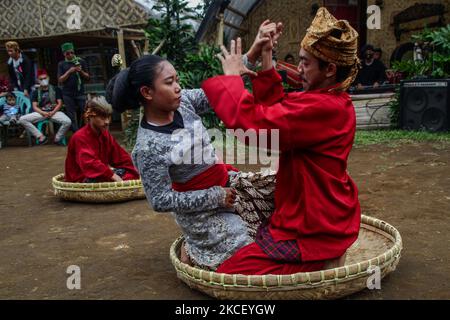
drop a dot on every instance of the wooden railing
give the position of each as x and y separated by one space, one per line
372 110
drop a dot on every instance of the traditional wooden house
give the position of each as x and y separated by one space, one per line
98 28
398 20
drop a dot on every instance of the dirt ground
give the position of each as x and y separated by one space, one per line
123 249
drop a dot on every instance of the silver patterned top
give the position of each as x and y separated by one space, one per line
212 232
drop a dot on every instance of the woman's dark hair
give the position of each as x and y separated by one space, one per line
123 90
342 73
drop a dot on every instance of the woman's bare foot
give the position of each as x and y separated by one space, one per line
184 257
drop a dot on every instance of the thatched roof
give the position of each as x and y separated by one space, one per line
25 19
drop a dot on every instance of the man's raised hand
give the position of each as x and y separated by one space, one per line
232 63
273 37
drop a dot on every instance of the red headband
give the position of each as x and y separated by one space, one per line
42 72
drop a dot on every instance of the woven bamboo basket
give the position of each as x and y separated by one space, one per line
98 192
379 244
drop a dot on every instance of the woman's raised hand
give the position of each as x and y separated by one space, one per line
232 63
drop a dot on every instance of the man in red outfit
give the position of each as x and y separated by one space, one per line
93 154
317 215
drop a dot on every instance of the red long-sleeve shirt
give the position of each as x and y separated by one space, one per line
90 155
316 200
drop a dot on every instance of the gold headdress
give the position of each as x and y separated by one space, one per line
333 41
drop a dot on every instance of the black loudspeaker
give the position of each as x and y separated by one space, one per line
424 104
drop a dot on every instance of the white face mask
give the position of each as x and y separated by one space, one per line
44 82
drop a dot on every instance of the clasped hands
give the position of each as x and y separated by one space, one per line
266 39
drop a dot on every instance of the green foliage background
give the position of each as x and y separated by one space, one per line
436 63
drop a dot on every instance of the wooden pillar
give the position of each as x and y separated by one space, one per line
41 22
125 116
121 44
220 29
146 46
104 64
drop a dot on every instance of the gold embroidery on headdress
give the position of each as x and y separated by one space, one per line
333 41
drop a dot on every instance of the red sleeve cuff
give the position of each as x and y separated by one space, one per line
271 73
267 87
223 87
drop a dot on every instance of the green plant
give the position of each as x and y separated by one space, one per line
202 8
130 133
438 43
172 29
435 63
197 67
394 108
436 51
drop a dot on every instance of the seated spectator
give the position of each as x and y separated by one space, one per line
10 110
372 72
47 101
289 58
377 52
93 154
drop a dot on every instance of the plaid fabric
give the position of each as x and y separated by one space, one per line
286 251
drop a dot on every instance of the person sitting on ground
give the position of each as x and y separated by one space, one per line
93 154
10 110
289 58
47 103
317 213
372 72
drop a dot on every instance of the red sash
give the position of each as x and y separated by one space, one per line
217 175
